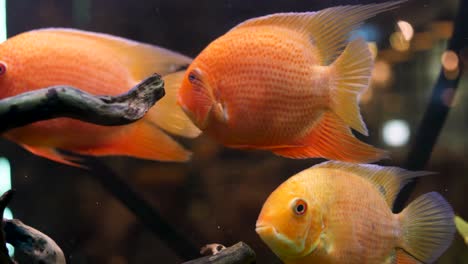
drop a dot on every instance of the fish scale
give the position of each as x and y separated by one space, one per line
257 80
345 219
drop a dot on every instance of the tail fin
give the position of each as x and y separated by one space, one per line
141 140
352 74
427 227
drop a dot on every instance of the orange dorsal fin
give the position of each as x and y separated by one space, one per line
142 59
53 154
167 114
141 140
331 138
401 257
328 29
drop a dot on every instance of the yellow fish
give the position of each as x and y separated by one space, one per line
288 83
339 212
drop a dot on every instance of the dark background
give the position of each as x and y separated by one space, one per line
217 196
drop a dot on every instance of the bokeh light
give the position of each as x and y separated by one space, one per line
382 73
449 60
5 185
396 132
406 29
398 41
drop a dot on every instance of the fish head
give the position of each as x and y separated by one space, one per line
290 222
195 95
21 65
11 68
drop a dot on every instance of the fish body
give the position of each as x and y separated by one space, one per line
100 64
339 212
288 83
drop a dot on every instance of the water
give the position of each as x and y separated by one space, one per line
218 195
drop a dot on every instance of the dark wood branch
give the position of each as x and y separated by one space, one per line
40 248
240 253
66 101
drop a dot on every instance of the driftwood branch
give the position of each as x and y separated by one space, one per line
66 101
40 248
36 245
239 253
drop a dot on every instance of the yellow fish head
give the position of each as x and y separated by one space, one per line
290 222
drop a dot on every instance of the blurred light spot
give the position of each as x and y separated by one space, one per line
422 41
396 132
5 175
373 49
7 214
5 185
381 73
442 29
449 60
406 29
398 42
368 32
3 27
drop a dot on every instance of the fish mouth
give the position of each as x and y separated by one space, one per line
264 229
259 228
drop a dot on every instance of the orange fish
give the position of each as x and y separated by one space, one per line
100 64
288 83
339 212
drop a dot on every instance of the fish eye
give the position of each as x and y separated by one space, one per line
299 207
3 68
192 77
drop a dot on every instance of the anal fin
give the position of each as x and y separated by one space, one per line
52 154
401 257
332 139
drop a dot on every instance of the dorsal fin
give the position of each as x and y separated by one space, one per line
143 59
329 29
387 180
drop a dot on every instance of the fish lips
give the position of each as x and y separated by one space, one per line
279 243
